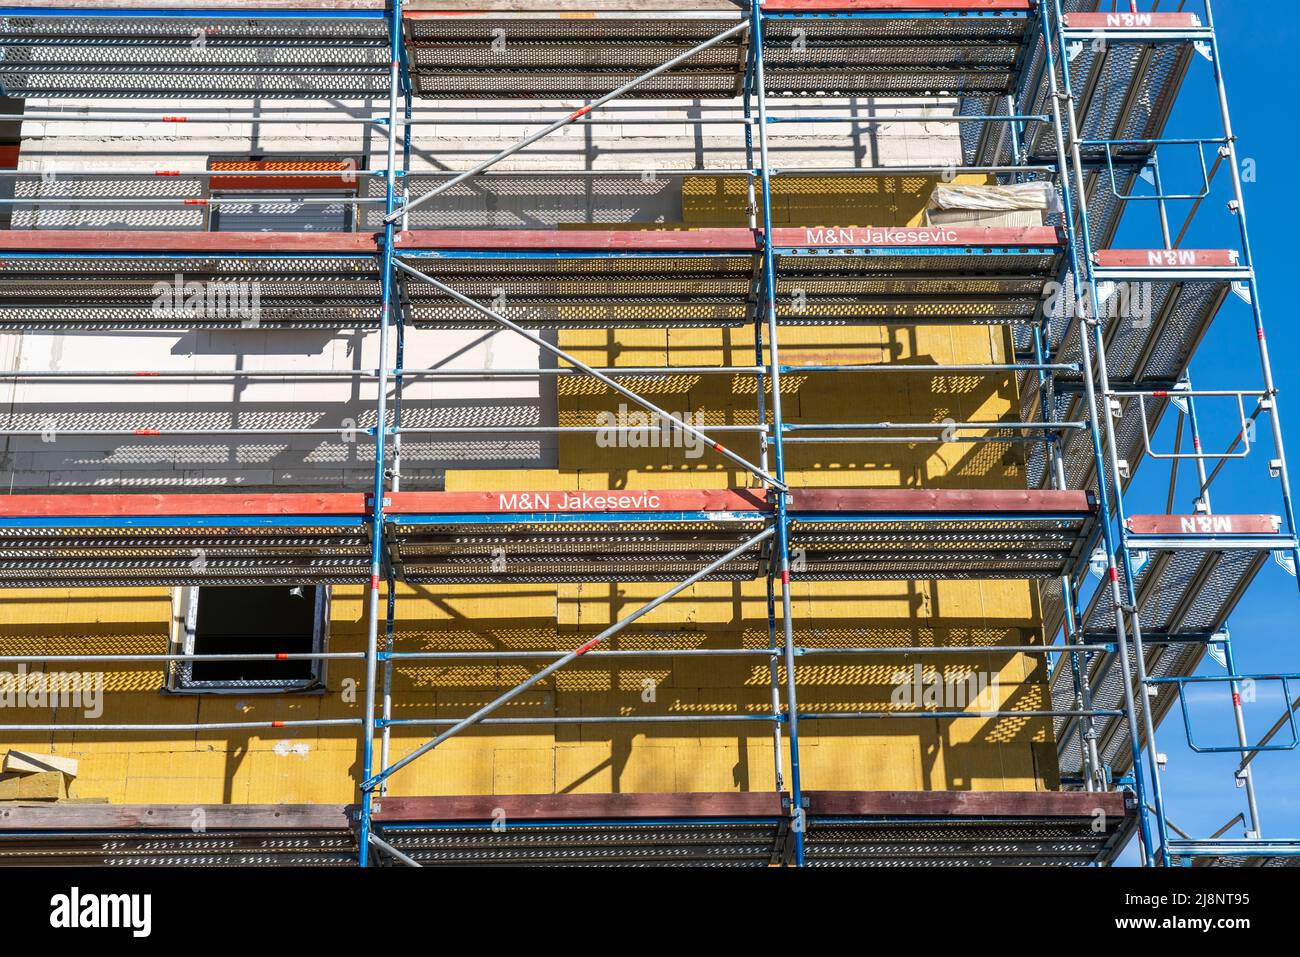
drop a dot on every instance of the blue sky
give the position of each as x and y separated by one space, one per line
1259 49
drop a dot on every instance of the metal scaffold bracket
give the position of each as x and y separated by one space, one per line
1287 561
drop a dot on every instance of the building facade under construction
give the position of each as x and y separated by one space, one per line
625 431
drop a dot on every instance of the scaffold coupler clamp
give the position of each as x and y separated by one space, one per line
776 497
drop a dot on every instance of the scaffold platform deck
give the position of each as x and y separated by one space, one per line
1189 582
845 828
490 537
93 280
73 279
473 51
178 540
1160 304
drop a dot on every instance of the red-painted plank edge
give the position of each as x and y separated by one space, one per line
179 817
959 804
742 241
952 501
250 7
1167 258
894 6
583 240
135 504
520 807
728 239
18 241
475 503
930 804
957 501
1132 21
980 236
685 805
780 6
1204 524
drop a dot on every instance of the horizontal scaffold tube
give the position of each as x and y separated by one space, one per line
400 656
616 371
747 652
721 718
553 719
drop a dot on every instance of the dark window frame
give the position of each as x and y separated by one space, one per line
180 674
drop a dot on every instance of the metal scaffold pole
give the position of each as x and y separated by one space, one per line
1126 600
1248 260
760 398
1062 103
1054 464
1204 503
781 546
399 384
377 557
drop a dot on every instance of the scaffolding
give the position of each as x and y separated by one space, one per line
1052 90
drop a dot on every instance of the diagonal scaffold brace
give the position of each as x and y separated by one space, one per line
393 852
577 363
487 709
405 208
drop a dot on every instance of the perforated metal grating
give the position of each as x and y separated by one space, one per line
447 552
756 842
945 286
1149 344
1180 594
564 57
975 286
1151 331
234 553
853 550
967 53
166 848
158 291
586 291
81 56
955 286
557 57
732 844
832 843
948 548
1123 91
